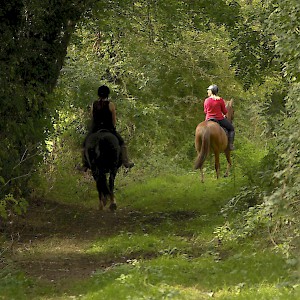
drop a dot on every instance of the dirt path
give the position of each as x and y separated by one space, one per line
53 237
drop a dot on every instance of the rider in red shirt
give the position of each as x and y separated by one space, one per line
215 110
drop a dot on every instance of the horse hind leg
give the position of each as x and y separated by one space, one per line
104 200
227 154
217 164
113 204
101 202
101 190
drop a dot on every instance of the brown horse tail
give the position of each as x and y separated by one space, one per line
205 145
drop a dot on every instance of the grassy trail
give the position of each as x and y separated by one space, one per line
159 244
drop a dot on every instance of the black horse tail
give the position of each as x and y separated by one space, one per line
205 145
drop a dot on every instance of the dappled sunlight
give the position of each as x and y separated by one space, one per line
51 247
143 245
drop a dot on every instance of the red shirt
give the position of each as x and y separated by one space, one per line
214 108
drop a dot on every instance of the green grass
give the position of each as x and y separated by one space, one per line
168 250
128 244
180 277
179 193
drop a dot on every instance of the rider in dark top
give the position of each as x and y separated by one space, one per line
104 117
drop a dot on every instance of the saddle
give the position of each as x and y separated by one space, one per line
215 120
104 130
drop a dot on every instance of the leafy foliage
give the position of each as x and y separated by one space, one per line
156 78
157 70
34 38
252 45
157 58
283 23
285 194
9 206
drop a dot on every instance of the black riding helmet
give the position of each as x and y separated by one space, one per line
103 91
214 89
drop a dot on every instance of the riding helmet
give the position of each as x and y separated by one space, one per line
103 91
214 89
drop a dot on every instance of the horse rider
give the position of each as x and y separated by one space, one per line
104 117
215 110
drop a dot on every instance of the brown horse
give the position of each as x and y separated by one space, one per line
211 137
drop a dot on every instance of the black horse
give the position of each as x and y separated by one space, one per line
103 155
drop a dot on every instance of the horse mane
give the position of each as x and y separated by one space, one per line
229 106
229 102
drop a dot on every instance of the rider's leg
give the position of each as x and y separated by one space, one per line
124 153
231 133
231 139
125 159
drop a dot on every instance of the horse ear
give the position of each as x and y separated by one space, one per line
231 102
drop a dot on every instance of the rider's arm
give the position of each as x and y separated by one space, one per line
223 107
112 108
205 106
92 108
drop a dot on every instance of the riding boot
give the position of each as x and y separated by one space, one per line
125 159
231 139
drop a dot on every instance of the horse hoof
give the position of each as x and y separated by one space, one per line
104 201
113 206
101 206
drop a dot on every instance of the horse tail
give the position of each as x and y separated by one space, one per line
87 156
205 145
